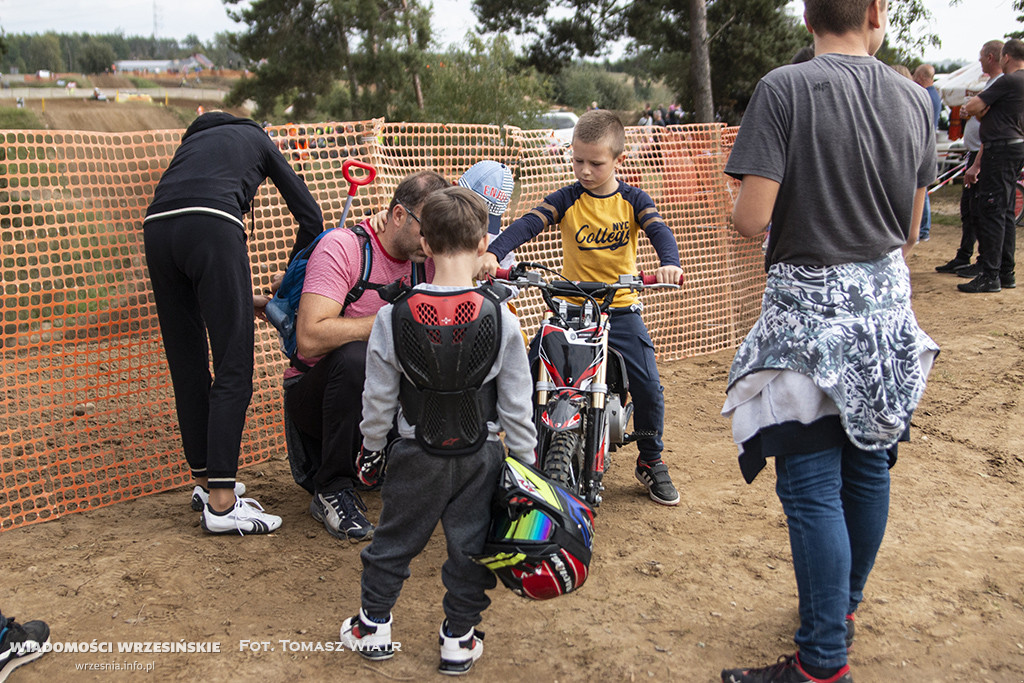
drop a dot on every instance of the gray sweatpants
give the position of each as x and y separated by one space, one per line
419 490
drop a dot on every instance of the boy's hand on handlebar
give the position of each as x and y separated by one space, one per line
669 275
488 266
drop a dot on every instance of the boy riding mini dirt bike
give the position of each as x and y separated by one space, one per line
581 400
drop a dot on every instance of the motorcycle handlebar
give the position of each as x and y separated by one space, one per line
648 279
652 278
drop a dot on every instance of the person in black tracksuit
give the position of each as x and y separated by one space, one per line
195 243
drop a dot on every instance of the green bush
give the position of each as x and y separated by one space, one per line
580 84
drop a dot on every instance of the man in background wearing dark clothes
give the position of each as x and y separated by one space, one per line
198 263
1001 109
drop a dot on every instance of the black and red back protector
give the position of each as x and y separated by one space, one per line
447 343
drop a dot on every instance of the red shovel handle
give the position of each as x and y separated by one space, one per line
354 182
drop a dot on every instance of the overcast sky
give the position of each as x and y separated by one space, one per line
963 29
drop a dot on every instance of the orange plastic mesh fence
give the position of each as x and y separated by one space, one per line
88 415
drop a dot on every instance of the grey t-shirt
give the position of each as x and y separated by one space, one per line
850 141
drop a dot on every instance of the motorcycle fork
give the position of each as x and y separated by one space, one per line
594 451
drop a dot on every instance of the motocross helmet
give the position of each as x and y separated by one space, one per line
540 537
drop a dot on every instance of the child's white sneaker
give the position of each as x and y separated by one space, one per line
459 652
200 496
371 640
246 517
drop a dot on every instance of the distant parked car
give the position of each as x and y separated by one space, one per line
561 123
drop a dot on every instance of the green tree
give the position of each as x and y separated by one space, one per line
301 48
747 38
43 52
221 53
1018 5
582 83
479 83
557 31
96 56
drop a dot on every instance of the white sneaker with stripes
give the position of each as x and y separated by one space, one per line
246 517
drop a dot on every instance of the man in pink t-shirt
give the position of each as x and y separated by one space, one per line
324 403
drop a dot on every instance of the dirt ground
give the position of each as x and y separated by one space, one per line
675 594
114 117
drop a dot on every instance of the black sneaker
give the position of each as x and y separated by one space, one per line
951 266
342 515
658 482
851 627
982 283
1007 281
971 271
786 670
21 644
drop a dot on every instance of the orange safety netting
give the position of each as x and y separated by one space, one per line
88 416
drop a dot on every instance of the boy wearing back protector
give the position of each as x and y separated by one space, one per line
449 359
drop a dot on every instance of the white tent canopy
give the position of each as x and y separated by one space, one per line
959 86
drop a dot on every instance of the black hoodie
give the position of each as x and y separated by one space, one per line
220 165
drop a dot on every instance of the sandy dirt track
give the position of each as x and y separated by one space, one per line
675 594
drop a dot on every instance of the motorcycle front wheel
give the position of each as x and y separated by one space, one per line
564 460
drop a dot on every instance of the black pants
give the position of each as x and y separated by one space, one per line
997 231
326 405
968 216
420 490
202 286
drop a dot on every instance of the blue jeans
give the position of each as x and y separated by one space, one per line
837 504
926 219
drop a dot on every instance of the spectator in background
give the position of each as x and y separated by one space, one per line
961 263
902 70
924 76
1001 108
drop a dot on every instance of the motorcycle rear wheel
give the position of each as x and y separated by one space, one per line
564 460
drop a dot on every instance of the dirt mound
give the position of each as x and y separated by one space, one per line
111 81
118 117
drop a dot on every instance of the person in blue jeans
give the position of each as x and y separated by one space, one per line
924 76
828 378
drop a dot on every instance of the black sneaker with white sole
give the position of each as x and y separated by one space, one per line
342 515
656 478
20 644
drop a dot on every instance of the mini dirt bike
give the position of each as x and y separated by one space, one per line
581 406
